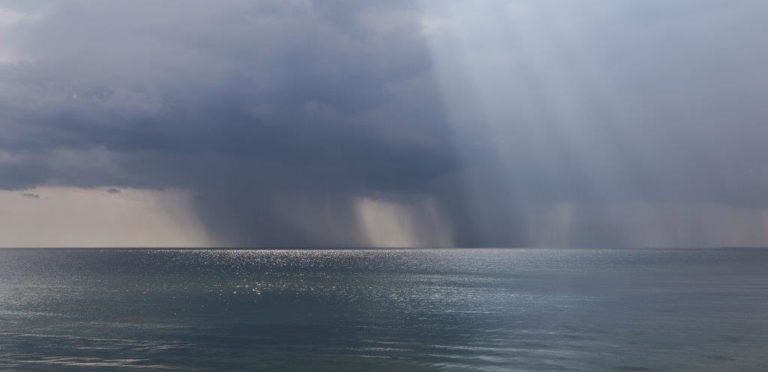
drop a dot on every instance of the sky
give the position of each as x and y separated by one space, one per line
397 123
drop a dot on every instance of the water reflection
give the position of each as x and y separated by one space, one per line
384 309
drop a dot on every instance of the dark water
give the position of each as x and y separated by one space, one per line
638 310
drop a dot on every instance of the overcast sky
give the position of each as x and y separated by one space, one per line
618 123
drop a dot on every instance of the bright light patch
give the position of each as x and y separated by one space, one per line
9 19
403 224
108 217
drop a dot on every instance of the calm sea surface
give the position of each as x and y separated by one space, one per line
407 310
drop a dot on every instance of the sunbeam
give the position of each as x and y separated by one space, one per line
552 132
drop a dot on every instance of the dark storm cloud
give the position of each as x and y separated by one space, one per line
282 115
146 76
248 102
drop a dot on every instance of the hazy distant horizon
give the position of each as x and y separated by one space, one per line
350 248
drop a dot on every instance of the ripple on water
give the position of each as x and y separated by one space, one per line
386 309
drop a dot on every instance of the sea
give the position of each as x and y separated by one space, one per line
384 310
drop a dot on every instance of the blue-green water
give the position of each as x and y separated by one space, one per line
409 310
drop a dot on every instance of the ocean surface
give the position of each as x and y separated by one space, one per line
384 310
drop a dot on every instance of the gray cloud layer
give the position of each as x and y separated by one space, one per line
282 115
